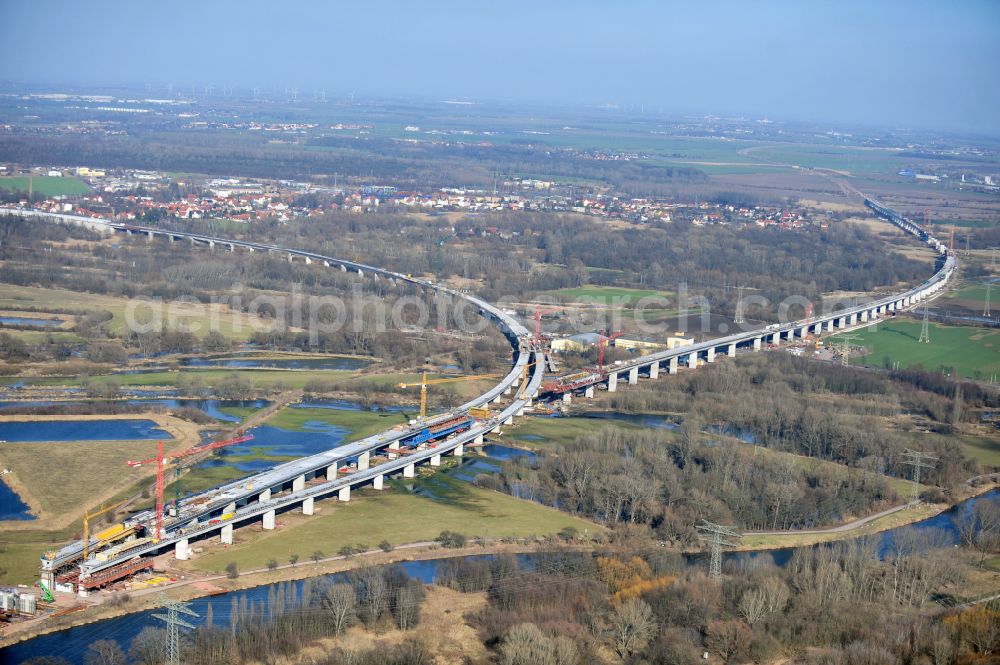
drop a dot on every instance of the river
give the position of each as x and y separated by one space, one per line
72 643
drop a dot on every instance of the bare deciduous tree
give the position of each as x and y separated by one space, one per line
340 600
753 605
526 644
633 625
979 528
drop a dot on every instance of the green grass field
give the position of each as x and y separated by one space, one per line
200 318
395 515
610 295
543 432
964 350
360 423
977 293
296 379
94 468
984 449
44 185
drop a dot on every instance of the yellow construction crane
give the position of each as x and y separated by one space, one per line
86 525
451 379
433 382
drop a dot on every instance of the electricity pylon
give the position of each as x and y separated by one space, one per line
845 354
986 309
174 623
925 331
739 306
715 535
918 460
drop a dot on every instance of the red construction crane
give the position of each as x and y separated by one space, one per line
538 320
604 342
161 460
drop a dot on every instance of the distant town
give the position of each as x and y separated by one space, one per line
132 195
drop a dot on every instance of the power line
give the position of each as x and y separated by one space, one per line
918 460
716 535
174 624
986 309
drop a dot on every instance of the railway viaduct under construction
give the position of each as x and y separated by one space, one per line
334 473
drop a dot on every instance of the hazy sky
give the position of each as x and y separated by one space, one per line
898 63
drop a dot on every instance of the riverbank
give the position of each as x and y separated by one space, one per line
886 520
101 464
99 608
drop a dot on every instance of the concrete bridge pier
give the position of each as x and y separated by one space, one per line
460 448
509 420
804 332
149 235
182 551
692 360
790 335
344 494
226 534
710 355
633 376
331 471
588 392
378 482
731 351
829 325
308 260
852 319
264 496
864 316
232 247
612 382
230 508
654 370
567 398
672 367
299 483
326 264
211 244
269 520
757 342
479 440
435 460
308 506
409 471
776 338
497 399
360 273
364 460
343 268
